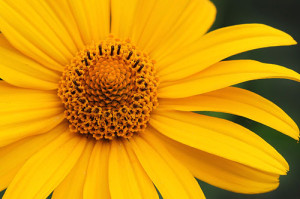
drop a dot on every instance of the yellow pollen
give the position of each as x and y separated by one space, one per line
109 90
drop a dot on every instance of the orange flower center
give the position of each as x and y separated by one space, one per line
109 90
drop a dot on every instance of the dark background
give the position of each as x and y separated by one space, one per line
284 15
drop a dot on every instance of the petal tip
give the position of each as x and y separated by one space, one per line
292 41
285 38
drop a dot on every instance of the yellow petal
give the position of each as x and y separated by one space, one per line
92 18
25 112
123 17
13 156
21 71
145 183
14 132
75 179
47 168
44 39
125 175
155 21
222 75
12 118
195 20
7 177
96 182
170 177
221 172
14 99
63 12
218 45
239 102
219 137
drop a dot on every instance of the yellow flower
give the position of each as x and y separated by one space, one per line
98 95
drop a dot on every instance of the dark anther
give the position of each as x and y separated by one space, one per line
136 98
100 49
82 101
119 48
112 50
141 67
136 63
75 83
86 62
130 54
78 89
141 81
78 73
89 55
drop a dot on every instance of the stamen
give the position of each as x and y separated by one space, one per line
75 83
86 62
100 49
119 49
89 55
130 54
78 73
141 67
112 51
136 63
78 89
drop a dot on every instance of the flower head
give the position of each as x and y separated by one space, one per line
98 98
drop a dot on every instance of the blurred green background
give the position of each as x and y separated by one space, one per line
284 15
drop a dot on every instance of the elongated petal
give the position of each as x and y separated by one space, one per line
13 156
121 177
239 102
125 177
21 71
44 39
170 24
171 178
221 172
14 132
220 137
26 112
75 179
14 99
222 75
218 45
11 118
92 18
53 163
7 177
63 11
145 183
122 17
153 20
194 21
96 182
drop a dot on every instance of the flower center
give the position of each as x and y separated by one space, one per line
109 90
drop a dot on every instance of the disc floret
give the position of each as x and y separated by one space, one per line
109 90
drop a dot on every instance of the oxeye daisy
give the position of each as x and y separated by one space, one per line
98 100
